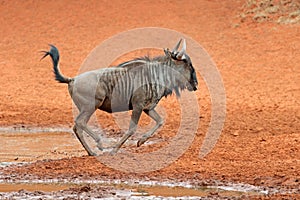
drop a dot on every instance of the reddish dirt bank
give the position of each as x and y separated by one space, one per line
259 64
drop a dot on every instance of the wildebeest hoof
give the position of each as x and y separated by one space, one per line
141 141
92 154
100 147
114 151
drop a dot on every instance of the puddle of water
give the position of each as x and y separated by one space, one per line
6 164
45 143
127 190
21 129
37 146
9 187
163 191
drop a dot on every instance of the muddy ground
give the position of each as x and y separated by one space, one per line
258 61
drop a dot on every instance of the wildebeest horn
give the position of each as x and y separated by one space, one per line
176 47
183 50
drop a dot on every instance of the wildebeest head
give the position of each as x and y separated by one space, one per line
183 64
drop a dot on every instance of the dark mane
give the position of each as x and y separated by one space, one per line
142 60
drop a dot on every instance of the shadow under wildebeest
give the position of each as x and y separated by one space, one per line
136 85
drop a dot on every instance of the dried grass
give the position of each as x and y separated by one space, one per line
279 11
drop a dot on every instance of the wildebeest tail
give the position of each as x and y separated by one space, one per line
54 54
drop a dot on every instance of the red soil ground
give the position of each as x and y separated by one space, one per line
259 64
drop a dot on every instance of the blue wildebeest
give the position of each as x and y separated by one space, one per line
136 85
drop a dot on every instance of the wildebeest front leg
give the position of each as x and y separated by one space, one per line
159 122
136 114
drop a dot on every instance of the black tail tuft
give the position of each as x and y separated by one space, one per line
46 54
54 54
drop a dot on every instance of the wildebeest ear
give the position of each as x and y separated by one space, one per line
167 52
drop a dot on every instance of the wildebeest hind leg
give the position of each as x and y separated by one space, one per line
159 122
81 123
79 135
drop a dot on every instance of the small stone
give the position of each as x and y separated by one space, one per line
263 139
236 133
258 129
